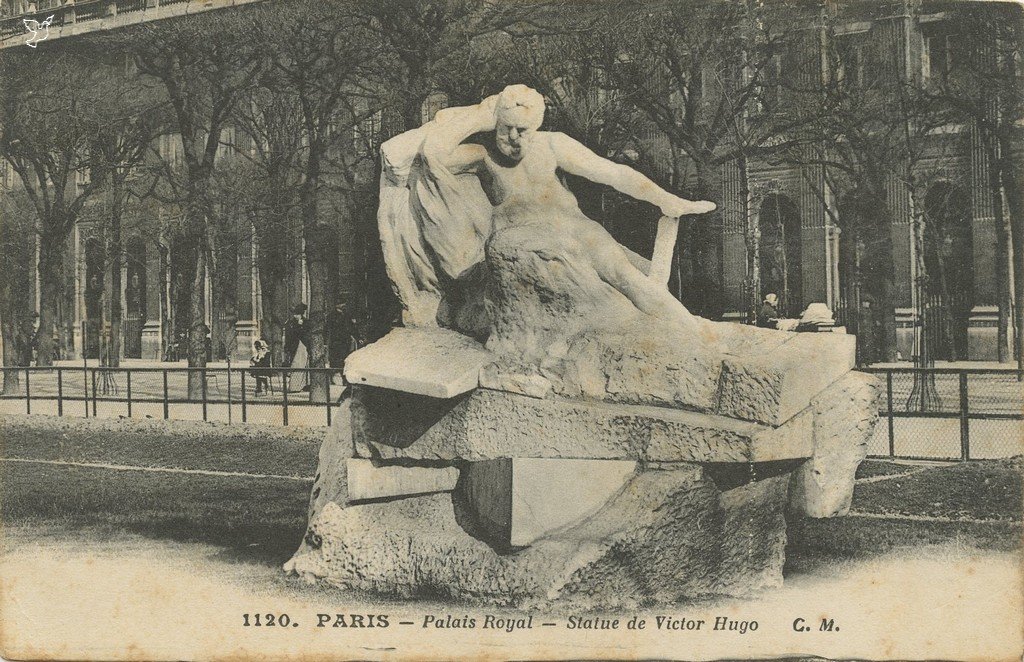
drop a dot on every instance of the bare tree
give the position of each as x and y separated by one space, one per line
203 66
706 77
983 80
46 135
17 235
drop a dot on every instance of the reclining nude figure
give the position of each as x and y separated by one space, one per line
517 170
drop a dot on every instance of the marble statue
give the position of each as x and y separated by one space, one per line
550 425
447 198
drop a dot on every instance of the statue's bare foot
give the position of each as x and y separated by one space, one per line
680 207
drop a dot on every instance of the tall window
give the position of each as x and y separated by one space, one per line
943 53
226 147
170 150
366 133
771 84
82 174
850 60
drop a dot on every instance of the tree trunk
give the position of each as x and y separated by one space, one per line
1002 252
196 350
882 269
316 263
272 240
115 258
11 358
752 235
51 255
1015 209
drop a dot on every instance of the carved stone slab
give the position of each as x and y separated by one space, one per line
367 482
518 500
771 387
440 363
494 424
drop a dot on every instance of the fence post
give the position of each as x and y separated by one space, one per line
204 394
85 389
965 423
167 409
229 390
284 393
892 431
60 392
128 383
28 392
328 399
243 397
94 392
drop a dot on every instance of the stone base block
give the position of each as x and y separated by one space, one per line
368 482
772 387
669 535
845 415
518 500
493 424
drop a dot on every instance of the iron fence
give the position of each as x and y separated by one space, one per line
949 414
244 395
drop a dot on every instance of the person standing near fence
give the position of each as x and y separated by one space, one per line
768 317
260 362
296 349
341 337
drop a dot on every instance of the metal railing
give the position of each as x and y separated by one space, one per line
949 413
243 394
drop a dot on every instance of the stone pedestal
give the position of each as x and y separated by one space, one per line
430 486
152 347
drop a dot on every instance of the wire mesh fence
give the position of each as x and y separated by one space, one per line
269 396
949 414
939 414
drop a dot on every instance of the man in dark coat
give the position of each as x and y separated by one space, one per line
296 330
768 317
341 332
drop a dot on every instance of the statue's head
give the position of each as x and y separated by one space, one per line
519 114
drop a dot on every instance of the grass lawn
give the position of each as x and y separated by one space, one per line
151 554
263 519
223 449
983 490
873 468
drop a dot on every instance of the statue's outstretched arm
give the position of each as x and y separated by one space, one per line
453 125
575 158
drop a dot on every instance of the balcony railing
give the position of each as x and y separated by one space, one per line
68 19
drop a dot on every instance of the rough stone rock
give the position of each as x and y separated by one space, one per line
644 362
845 415
543 293
642 547
435 362
518 500
491 424
367 482
331 482
771 387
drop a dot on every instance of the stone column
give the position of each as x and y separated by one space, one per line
152 330
247 325
982 327
734 245
815 270
79 295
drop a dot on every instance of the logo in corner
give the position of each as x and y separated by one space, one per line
39 30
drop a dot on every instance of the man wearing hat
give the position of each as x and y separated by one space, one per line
296 331
768 318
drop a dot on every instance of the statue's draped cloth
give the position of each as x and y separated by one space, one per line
433 227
